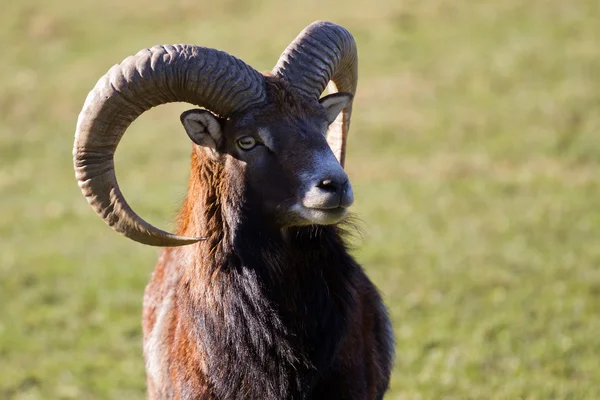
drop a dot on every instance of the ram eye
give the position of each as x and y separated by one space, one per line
247 143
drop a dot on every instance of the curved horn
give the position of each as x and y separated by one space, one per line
162 74
323 52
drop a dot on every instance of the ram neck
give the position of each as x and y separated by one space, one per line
269 312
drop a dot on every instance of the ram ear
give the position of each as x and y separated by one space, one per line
335 103
203 127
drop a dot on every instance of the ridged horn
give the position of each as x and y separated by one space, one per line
323 53
162 74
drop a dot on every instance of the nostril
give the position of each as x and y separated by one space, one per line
329 185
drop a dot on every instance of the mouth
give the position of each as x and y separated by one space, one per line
319 216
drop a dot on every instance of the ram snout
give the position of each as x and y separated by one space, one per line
326 192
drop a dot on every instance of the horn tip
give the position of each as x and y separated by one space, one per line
184 241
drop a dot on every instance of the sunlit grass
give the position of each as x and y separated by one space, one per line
474 154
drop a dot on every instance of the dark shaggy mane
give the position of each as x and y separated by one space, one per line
283 311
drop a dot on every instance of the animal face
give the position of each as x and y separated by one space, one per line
280 156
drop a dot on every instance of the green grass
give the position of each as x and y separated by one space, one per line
474 152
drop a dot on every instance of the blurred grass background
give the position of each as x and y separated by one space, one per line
474 153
